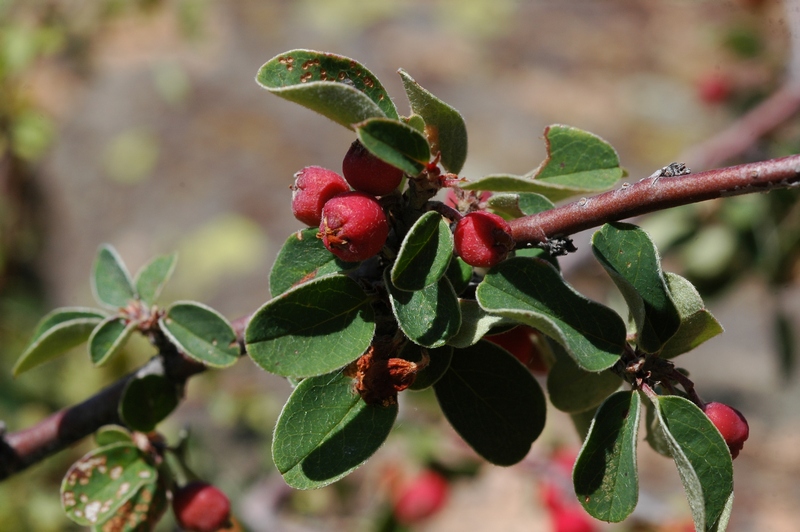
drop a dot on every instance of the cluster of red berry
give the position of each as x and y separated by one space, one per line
352 222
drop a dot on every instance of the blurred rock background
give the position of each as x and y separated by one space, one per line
138 123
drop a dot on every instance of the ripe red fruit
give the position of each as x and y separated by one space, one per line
483 239
422 497
519 342
353 226
367 173
714 89
573 519
730 423
313 186
201 507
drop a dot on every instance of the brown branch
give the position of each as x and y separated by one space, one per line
654 194
19 450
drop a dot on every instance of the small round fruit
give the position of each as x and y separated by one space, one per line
313 187
519 342
367 173
483 239
201 507
421 498
714 89
730 423
353 226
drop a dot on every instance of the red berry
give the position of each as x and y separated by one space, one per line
573 519
367 173
730 423
201 507
313 186
519 342
421 498
714 89
483 239
353 226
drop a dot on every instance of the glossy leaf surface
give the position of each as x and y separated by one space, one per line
325 431
533 292
312 329
493 402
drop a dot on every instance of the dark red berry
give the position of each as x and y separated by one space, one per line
353 226
519 342
483 239
730 423
367 173
313 186
201 507
421 498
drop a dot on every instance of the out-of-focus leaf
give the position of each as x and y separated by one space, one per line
111 282
108 338
148 400
150 280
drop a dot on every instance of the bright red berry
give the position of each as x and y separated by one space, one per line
714 89
421 498
730 423
353 226
483 239
201 507
573 519
313 186
519 342
367 173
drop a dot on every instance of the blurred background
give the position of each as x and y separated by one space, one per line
138 123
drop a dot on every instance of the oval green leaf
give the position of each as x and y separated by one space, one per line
702 457
459 273
312 329
302 258
425 253
532 291
201 333
111 283
605 475
325 431
493 402
143 511
444 126
428 317
572 389
103 480
577 162
150 280
697 323
396 143
333 85
108 434
631 260
147 400
438 362
108 338
56 333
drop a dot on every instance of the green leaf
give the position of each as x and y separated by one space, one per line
702 457
56 333
108 434
147 400
573 389
534 203
444 126
475 323
493 402
103 480
438 362
111 283
312 329
325 431
150 280
332 85
143 511
459 273
201 333
396 143
108 338
654 434
605 476
577 162
697 323
428 317
533 292
632 261
303 257
517 205
425 253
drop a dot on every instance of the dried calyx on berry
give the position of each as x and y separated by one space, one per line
730 423
367 173
483 239
353 226
201 507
